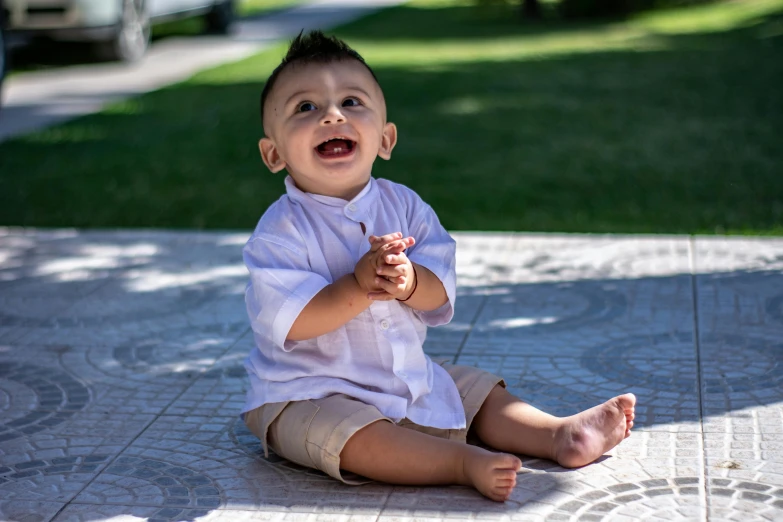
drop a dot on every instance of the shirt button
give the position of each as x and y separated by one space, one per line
384 325
352 207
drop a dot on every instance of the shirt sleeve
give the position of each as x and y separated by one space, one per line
281 285
435 250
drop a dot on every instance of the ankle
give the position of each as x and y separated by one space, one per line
560 436
461 473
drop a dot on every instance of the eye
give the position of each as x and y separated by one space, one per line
351 102
306 106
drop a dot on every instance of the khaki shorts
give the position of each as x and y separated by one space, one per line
312 433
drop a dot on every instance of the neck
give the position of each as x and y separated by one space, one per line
347 192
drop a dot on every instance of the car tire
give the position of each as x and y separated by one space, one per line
132 37
220 19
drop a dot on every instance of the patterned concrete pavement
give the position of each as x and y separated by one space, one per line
121 377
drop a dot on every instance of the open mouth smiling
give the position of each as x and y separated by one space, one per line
336 147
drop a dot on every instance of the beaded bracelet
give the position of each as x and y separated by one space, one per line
415 284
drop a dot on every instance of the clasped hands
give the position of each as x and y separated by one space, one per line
385 272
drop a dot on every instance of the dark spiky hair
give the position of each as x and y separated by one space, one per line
313 47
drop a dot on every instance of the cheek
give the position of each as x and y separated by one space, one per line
371 129
298 137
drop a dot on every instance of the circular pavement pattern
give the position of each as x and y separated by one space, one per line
55 466
58 397
129 478
174 352
128 307
731 362
552 308
662 499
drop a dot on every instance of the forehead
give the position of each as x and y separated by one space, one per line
323 77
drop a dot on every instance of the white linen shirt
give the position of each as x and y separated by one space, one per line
304 242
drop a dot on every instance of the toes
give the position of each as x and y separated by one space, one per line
501 494
509 462
627 401
505 474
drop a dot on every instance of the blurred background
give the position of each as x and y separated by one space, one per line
625 116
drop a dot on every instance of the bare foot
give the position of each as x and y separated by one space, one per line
587 435
494 475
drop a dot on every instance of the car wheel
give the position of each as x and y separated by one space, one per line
132 37
221 17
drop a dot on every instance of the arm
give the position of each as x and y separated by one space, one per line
435 251
332 307
341 301
430 293
411 283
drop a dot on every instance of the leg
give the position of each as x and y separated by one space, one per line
508 424
386 452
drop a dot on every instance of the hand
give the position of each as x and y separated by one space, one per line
396 275
381 248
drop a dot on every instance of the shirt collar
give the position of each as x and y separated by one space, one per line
361 202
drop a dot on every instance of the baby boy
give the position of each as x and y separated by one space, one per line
346 273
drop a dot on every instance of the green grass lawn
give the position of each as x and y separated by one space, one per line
244 9
254 7
669 122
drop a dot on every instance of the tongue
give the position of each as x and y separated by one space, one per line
334 147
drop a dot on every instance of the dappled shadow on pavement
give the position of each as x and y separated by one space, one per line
125 351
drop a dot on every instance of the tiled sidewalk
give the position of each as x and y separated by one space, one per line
121 376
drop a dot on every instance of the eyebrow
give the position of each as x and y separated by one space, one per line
349 88
295 95
357 88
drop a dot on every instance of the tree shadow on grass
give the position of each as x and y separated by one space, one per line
468 22
682 137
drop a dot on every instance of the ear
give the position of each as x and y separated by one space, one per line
388 141
271 155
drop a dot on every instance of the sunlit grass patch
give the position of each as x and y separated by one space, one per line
254 7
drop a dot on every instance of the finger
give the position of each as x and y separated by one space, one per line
391 288
396 238
391 270
377 258
407 241
397 280
395 259
376 241
393 247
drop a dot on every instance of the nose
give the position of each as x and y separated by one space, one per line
332 116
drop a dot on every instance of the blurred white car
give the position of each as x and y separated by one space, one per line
120 27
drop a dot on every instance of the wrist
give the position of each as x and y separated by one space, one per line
413 286
356 282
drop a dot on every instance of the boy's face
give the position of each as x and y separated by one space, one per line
325 124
